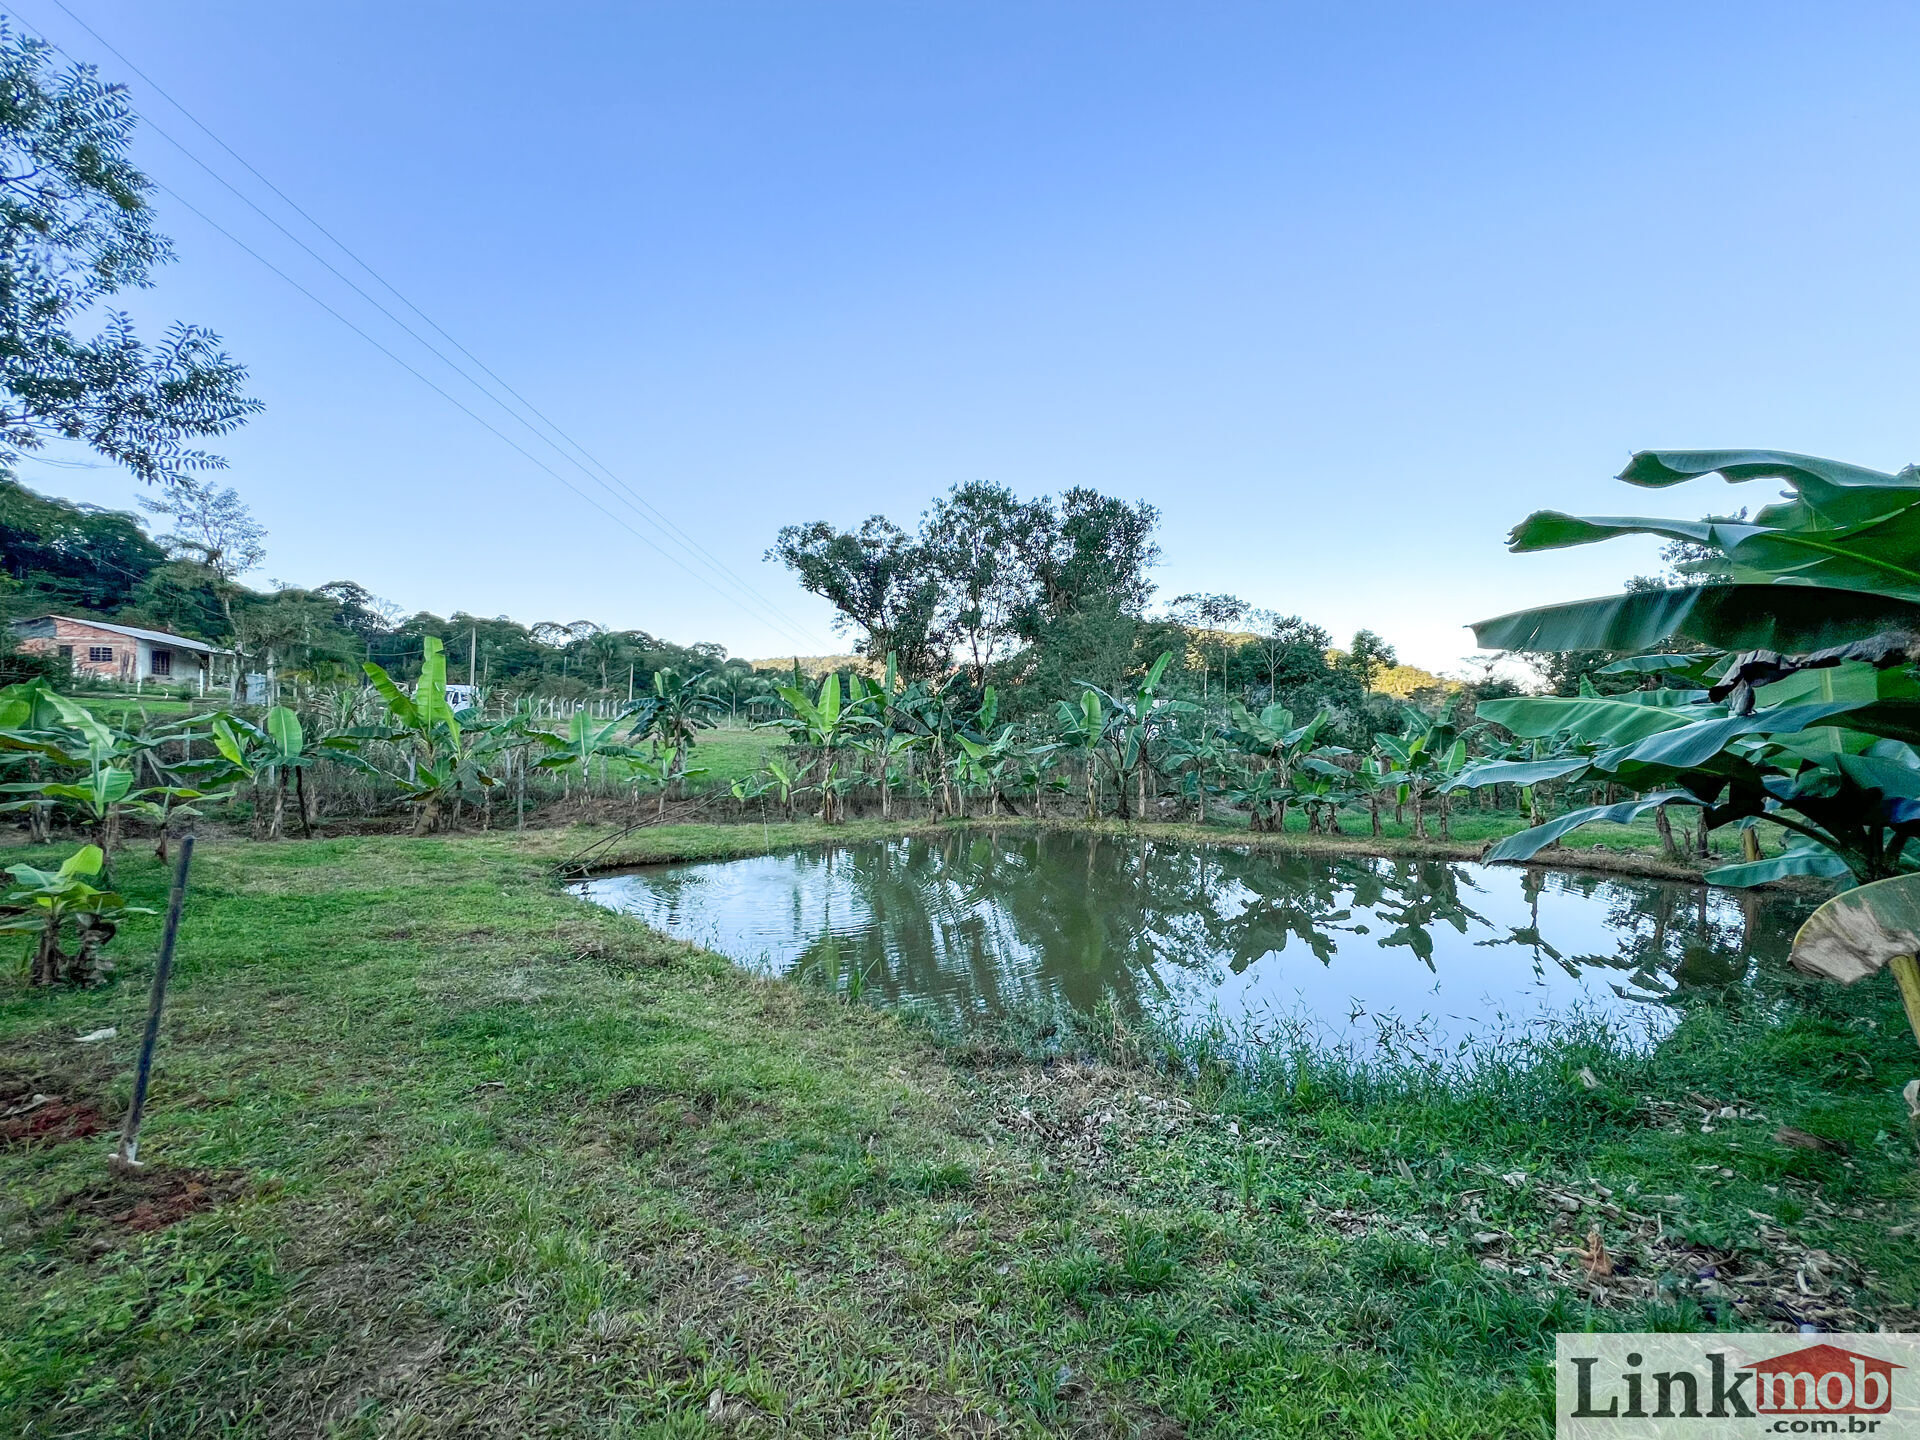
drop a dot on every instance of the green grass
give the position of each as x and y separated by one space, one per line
731 753
509 1165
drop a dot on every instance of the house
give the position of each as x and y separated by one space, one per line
119 652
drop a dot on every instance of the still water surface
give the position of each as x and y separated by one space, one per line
1359 949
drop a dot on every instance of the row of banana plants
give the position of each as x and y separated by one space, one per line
68 768
859 740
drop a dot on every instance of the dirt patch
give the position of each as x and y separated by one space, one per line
152 1199
47 1118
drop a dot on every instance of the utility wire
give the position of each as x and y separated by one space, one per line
438 390
382 281
750 597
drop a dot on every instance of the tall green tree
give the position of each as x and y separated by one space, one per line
75 230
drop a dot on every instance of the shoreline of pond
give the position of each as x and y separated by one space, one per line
642 848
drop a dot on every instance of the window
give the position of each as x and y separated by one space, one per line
99 654
163 662
66 652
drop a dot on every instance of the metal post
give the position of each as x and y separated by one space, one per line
130 1132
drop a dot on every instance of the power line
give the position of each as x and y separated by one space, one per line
411 370
381 280
749 598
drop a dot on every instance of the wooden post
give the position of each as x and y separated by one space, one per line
1906 974
126 1156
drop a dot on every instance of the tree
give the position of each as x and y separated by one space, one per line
1291 651
1209 614
75 228
879 579
72 555
971 538
1090 551
986 574
212 528
1367 657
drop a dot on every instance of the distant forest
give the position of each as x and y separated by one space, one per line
1083 618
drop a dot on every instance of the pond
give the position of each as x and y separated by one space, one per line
1417 954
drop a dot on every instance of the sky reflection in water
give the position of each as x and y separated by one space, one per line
1426 951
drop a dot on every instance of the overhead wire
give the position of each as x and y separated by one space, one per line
749 599
294 205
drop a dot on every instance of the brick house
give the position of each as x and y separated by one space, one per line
119 652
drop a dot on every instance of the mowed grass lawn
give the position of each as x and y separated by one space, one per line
446 1151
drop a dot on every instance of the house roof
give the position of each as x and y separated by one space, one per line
1827 1357
157 637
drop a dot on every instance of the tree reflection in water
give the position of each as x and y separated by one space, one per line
1019 920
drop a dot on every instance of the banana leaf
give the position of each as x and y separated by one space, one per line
1518 772
1784 617
1604 720
1528 843
1857 933
1556 530
1886 701
1814 860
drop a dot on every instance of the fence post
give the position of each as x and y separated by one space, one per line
125 1156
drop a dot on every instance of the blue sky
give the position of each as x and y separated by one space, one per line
1345 290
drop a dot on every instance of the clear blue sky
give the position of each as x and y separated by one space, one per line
1345 290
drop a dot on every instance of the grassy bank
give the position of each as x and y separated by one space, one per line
439 1149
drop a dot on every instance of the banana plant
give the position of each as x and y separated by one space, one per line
1820 741
1423 758
986 763
825 724
442 761
673 717
1084 729
1132 724
269 753
788 779
890 731
1832 565
100 759
1195 758
1280 747
48 903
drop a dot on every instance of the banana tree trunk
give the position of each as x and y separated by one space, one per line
48 962
1664 826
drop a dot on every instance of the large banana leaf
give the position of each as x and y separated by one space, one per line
1518 772
288 738
1855 934
1811 860
1556 530
399 703
1788 618
1604 720
1688 746
1657 469
1886 702
430 695
1528 843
